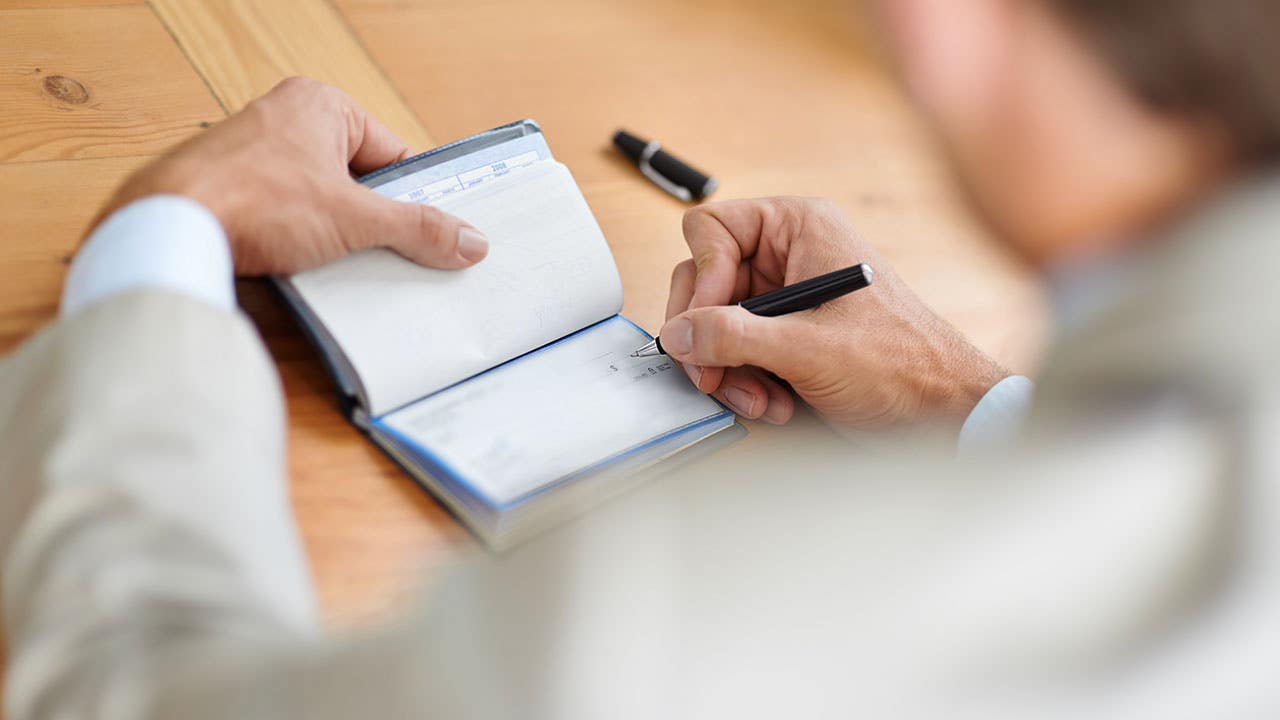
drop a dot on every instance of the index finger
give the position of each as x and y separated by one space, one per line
371 145
366 143
717 251
727 241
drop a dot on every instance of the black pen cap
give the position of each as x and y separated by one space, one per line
629 144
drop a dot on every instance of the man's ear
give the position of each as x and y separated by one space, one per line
953 56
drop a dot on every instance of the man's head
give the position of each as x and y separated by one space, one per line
1079 125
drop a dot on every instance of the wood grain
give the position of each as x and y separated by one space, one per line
773 98
45 207
48 4
94 82
368 529
243 48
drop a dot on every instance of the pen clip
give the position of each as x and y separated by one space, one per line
647 170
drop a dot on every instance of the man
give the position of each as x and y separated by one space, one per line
1117 558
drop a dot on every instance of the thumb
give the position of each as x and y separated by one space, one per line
730 336
421 233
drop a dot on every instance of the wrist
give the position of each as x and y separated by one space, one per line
166 177
166 242
958 376
969 382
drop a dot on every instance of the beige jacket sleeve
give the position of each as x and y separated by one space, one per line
152 567
1124 562
145 507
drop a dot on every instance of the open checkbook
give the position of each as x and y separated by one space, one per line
506 389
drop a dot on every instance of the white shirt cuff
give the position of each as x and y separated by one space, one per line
998 415
163 241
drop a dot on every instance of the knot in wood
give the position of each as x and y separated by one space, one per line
68 90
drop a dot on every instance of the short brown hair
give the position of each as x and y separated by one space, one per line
1211 60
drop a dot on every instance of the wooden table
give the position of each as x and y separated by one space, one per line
774 98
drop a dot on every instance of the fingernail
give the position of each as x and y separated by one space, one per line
741 401
472 244
695 373
677 337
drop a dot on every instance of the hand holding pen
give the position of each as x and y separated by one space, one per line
874 358
804 295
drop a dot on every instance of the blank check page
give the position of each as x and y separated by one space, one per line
409 330
562 409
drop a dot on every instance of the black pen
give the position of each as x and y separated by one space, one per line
664 169
804 295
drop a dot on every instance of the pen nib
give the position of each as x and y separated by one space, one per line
649 349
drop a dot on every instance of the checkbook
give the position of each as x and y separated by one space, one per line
506 389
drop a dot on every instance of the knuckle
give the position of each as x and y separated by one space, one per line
693 221
350 117
261 110
334 91
702 262
770 208
339 97
286 97
692 216
294 83
301 89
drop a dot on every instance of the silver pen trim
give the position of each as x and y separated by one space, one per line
649 349
656 177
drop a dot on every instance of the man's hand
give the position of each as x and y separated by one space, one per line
278 176
878 357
